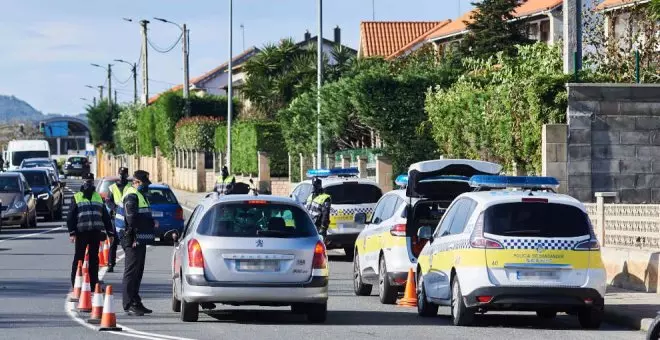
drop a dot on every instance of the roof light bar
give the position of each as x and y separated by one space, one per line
523 182
340 172
401 180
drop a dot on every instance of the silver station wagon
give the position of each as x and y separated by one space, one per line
250 250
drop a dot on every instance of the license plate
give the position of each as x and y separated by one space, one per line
257 266
157 214
541 275
77 166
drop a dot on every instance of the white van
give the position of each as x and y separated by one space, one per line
18 150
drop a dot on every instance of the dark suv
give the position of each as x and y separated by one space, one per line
76 166
48 192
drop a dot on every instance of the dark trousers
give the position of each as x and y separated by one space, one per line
133 270
91 239
113 252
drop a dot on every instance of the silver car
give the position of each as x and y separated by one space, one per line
250 250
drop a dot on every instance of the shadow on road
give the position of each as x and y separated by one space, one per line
22 288
33 320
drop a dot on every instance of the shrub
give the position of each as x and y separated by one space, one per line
147 141
197 133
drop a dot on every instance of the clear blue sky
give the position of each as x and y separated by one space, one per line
47 46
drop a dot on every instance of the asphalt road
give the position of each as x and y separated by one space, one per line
34 282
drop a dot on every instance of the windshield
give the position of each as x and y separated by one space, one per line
536 219
161 196
256 220
35 164
353 193
36 178
78 160
19 156
9 184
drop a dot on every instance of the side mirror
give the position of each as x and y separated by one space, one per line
425 233
360 218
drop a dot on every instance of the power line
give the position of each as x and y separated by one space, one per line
166 50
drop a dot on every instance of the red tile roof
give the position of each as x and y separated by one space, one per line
383 38
422 38
610 4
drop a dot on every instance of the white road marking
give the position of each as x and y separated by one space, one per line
29 235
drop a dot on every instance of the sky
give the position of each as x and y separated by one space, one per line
47 46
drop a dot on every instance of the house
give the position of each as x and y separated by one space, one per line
389 39
621 22
328 45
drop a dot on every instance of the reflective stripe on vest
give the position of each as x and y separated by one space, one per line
90 212
315 205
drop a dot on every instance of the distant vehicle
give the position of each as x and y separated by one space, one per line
76 166
250 250
165 209
18 150
39 163
19 204
48 190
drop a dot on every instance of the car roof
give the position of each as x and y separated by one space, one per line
159 186
330 181
35 169
37 159
10 174
494 197
211 200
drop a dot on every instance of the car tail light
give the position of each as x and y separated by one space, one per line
534 200
484 299
320 260
478 240
195 257
257 202
398 230
178 214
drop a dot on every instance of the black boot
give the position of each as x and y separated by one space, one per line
134 310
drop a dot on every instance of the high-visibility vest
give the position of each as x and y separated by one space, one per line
145 234
225 182
117 196
90 212
315 206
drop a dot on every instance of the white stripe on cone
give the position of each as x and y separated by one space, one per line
78 282
97 301
86 287
108 305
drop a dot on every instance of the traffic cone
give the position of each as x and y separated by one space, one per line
102 260
85 267
97 306
77 286
85 302
106 251
410 296
109 319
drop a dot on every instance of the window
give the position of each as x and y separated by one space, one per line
545 30
161 196
19 156
447 220
354 193
35 164
191 220
9 184
389 208
36 178
533 31
305 191
77 160
536 219
256 220
463 213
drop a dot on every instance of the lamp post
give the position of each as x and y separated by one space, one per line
134 71
319 67
186 78
109 70
100 88
229 83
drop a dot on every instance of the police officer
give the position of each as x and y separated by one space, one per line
318 205
226 182
138 232
87 221
116 205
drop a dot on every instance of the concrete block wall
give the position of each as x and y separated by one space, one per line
281 186
554 145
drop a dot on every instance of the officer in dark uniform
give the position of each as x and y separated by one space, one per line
318 205
116 206
139 231
87 221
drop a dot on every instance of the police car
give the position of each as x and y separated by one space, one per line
353 201
388 246
524 249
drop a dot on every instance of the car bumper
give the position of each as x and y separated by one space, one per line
198 290
535 298
13 217
336 240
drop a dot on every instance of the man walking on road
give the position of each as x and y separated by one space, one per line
87 221
318 206
139 231
116 205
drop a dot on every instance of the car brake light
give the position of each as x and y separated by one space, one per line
534 200
178 215
257 202
320 260
195 257
484 299
478 240
398 230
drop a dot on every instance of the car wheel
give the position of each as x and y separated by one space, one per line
386 292
349 251
591 318
26 222
359 287
33 224
317 312
654 330
189 311
460 314
176 303
298 308
424 307
546 314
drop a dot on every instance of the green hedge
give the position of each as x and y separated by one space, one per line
354 153
168 109
197 133
147 141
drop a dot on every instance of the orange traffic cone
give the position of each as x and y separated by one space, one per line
410 296
109 319
85 302
97 306
106 251
85 267
102 260
77 286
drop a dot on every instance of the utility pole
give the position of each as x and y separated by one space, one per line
186 78
101 92
572 10
115 97
229 84
135 96
145 64
243 34
319 62
110 85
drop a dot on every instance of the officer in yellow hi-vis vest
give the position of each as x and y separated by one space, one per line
225 183
116 206
318 206
87 221
139 231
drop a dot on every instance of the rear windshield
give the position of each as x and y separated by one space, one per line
256 220
36 178
78 160
353 193
536 219
34 164
161 196
9 184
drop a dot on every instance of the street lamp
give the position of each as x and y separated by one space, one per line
186 78
100 88
229 83
109 69
134 71
319 82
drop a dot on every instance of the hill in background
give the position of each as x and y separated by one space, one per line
13 109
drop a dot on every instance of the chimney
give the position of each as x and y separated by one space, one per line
337 35
308 35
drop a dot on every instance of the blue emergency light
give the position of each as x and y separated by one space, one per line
401 180
523 182
339 172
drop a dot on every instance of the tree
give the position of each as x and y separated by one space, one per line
655 8
493 30
101 119
126 134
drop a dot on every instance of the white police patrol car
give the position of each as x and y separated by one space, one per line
353 201
526 249
388 246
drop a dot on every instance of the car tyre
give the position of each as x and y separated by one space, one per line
359 287
546 314
189 311
386 292
33 220
298 308
424 307
654 330
176 303
350 252
460 314
591 318
317 312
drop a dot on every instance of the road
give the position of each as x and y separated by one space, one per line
34 281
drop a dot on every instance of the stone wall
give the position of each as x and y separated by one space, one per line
281 186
